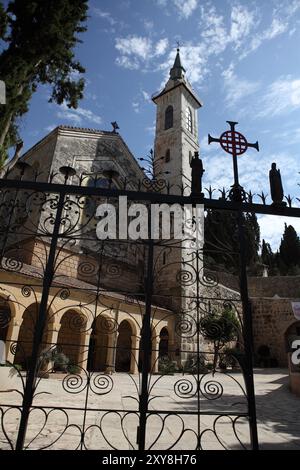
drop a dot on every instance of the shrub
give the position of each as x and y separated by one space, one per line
166 366
59 359
193 362
61 362
73 369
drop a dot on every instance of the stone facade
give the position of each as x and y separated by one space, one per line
272 313
73 307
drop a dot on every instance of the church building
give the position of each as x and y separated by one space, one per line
96 302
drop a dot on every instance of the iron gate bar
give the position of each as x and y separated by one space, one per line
39 329
149 412
247 334
208 203
146 347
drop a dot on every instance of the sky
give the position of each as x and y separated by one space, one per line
241 57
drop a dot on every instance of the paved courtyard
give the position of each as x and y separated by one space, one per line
111 420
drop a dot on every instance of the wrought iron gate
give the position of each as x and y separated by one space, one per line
75 310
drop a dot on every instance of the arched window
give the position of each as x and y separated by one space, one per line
168 156
169 117
189 120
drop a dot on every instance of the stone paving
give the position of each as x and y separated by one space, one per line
112 418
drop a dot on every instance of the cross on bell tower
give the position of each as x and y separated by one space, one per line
235 143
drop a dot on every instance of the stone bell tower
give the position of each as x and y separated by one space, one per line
176 137
176 141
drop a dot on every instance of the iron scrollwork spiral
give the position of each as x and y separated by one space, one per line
107 325
184 388
87 269
75 383
210 389
185 278
11 264
186 327
101 384
26 291
113 271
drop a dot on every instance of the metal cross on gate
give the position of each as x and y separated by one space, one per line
236 144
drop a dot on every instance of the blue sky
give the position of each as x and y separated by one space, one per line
242 58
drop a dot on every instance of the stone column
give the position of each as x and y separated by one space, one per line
12 336
154 354
50 341
52 334
84 350
111 353
135 352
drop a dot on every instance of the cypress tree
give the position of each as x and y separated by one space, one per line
221 240
269 258
289 251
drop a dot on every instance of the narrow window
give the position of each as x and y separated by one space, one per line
169 117
189 120
168 156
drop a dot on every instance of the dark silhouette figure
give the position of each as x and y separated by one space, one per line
197 173
276 185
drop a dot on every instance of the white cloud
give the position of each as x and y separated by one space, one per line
290 136
277 27
130 63
151 130
136 106
148 25
186 7
50 127
78 116
253 170
105 16
242 22
214 32
272 228
282 17
161 46
217 35
237 88
282 96
136 50
134 45
146 95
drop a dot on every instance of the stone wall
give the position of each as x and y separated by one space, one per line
282 286
272 313
271 319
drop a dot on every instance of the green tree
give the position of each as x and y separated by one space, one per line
220 328
269 258
39 37
289 251
221 240
266 253
252 235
